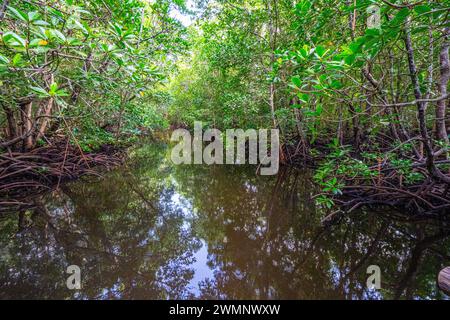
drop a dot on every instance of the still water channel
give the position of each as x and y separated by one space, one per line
153 230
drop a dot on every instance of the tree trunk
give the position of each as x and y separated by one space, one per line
356 127
43 127
432 169
273 25
441 130
3 9
86 67
300 131
12 126
27 124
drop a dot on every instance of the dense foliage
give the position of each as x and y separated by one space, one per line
360 85
363 84
85 69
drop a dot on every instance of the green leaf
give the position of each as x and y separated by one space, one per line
53 89
303 97
40 23
3 68
61 93
422 9
336 84
356 46
303 53
4 59
7 36
319 110
33 15
303 7
41 92
16 61
400 17
80 26
59 35
74 42
321 51
373 32
296 81
18 14
35 42
350 59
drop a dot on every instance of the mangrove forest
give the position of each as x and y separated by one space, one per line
224 149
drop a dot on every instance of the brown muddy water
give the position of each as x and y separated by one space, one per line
153 230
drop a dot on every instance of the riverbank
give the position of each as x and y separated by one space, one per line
348 180
389 176
44 168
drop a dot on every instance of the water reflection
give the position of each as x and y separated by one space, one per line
151 230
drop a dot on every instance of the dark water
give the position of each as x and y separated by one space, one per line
152 230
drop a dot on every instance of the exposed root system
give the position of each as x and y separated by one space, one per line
428 197
25 173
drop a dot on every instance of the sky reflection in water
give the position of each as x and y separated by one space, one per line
151 230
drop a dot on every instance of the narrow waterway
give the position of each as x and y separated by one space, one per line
153 230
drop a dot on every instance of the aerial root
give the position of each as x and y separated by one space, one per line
41 169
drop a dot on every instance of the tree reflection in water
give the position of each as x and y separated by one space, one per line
136 234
